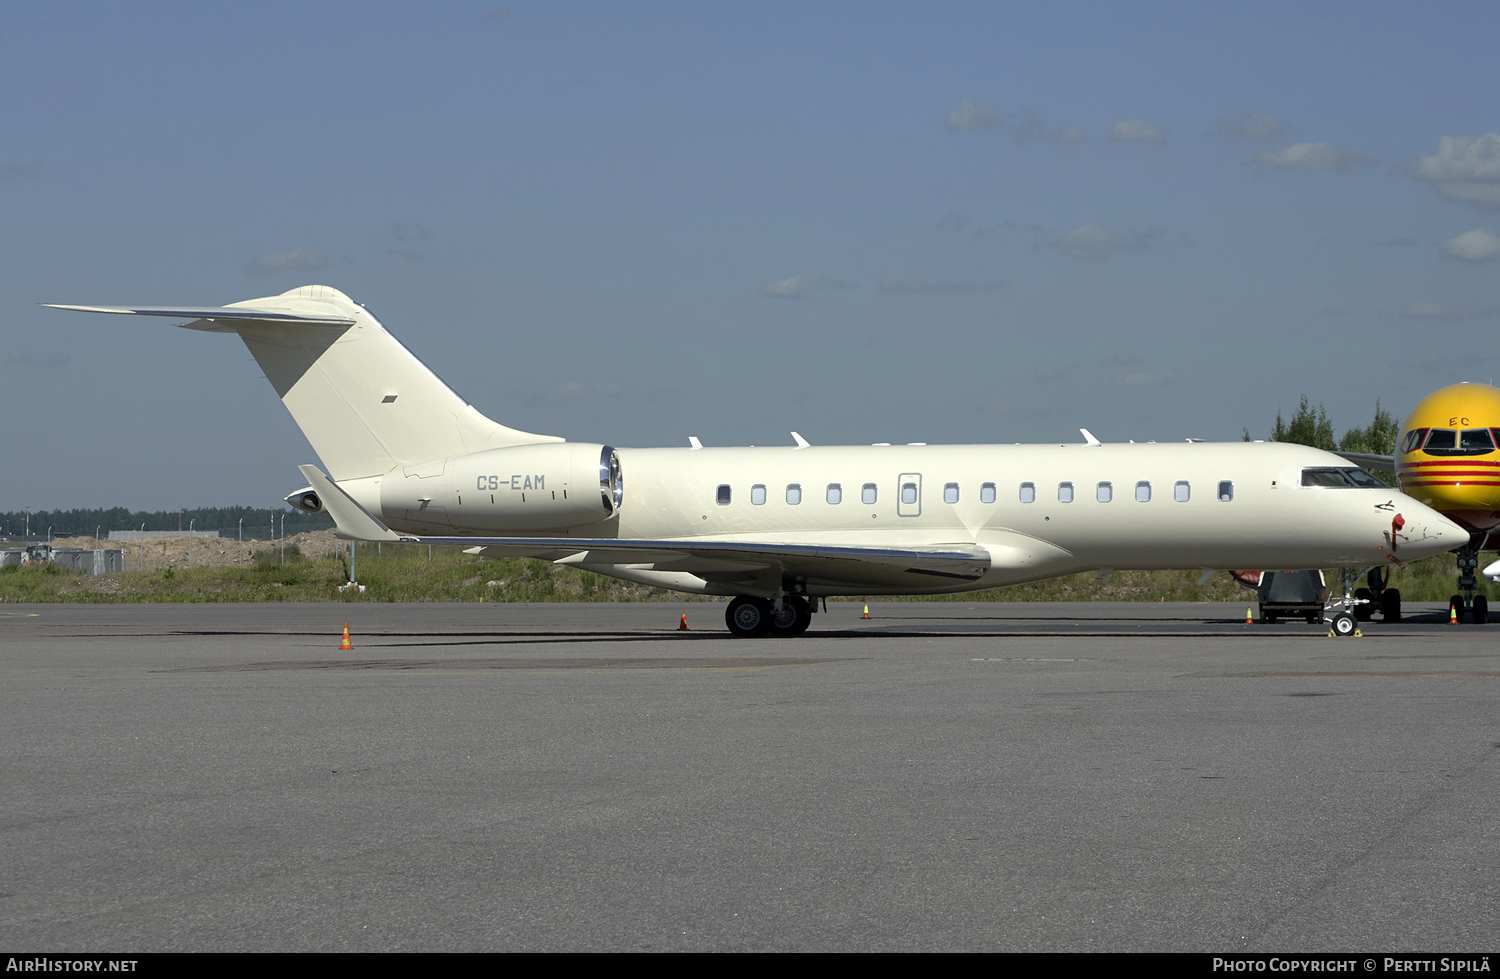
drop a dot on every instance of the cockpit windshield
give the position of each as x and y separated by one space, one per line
1341 478
1459 442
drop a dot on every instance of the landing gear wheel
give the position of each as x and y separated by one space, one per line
748 617
1363 612
1456 605
1481 610
794 619
1344 625
1390 604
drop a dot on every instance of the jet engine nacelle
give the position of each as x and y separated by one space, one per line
546 486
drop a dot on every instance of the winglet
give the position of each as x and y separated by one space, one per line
802 443
693 441
351 521
1088 437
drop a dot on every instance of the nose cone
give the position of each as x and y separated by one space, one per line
1420 532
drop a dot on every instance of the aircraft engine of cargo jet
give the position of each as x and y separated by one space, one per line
404 458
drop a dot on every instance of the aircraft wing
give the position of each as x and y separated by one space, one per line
1364 461
232 313
960 561
963 561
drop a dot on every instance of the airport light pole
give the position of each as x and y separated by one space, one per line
242 542
190 543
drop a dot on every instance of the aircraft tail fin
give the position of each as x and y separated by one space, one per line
363 400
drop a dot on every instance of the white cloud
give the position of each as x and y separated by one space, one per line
1138 131
289 261
800 285
1464 169
1099 241
1069 134
1143 378
585 389
913 285
1479 245
25 357
1313 158
1422 310
975 115
1259 127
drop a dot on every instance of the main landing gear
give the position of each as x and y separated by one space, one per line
749 617
1469 606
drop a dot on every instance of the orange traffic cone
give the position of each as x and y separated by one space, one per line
682 626
347 644
867 611
1249 619
1453 615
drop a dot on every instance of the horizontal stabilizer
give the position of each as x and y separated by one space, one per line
240 313
352 521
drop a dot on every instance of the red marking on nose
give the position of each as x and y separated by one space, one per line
1397 522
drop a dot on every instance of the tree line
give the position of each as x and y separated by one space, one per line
226 520
1309 427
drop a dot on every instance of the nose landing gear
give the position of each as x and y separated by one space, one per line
1469 606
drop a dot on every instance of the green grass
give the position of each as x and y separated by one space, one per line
402 573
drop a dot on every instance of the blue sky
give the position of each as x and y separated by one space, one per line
632 223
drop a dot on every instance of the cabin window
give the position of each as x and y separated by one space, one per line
1028 492
758 494
1105 492
950 493
987 493
794 493
835 493
1065 492
908 493
1226 491
1143 492
1182 491
1413 439
867 493
722 496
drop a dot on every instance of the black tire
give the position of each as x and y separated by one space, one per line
1390 604
1456 605
748 617
1344 624
1481 610
794 619
1363 612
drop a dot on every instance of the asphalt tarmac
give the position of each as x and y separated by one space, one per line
586 777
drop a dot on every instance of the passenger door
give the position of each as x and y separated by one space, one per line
909 495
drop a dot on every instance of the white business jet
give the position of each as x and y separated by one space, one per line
407 459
